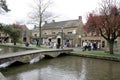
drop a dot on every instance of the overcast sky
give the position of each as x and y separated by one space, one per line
65 9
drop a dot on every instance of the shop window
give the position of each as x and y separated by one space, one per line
24 34
69 32
35 35
115 43
103 44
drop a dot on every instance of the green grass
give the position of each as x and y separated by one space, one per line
21 46
97 53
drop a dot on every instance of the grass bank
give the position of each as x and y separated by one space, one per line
98 55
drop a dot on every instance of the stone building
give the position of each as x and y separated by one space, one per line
100 41
34 34
4 36
62 33
25 35
94 38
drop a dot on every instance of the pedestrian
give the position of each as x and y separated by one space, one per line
89 46
27 44
84 46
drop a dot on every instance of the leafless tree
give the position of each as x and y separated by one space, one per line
41 14
3 6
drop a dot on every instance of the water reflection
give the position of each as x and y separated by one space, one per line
83 71
65 68
6 50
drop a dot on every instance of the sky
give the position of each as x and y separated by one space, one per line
64 9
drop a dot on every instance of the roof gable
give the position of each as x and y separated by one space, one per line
69 23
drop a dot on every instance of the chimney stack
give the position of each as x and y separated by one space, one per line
80 17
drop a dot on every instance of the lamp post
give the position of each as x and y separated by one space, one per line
74 32
62 37
80 39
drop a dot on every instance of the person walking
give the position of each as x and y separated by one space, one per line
84 46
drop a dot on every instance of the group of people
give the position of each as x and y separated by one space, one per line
57 45
91 45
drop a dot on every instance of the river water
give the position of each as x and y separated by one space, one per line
65 68
7 50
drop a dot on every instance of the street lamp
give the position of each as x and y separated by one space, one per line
62 37
80 39
74 32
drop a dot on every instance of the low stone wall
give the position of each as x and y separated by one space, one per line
2 77
97 57
26 56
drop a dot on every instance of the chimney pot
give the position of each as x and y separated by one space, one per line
80 17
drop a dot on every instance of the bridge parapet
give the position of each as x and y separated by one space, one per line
26 56
57 52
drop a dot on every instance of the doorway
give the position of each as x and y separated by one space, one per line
58 42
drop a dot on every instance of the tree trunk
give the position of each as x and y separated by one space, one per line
40 32
14 42
111 44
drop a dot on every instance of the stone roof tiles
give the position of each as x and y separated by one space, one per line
68 23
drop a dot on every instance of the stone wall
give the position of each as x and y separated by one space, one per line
27 56
2 77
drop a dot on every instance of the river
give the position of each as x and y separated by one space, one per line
7 50
65 68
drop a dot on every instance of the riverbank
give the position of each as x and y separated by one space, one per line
77 52
97 55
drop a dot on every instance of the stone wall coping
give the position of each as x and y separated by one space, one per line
27 52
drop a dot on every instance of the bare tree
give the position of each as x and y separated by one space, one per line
3 6
41 14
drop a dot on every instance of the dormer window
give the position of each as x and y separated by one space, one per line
69 32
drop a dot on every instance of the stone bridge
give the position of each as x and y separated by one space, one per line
31 55
2 77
